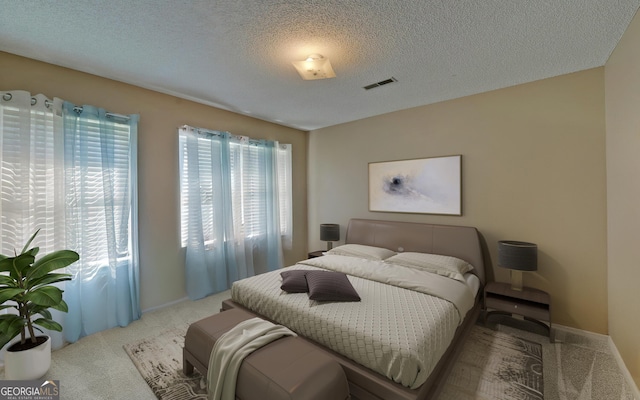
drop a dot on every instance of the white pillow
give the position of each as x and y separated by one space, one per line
451 267
361 251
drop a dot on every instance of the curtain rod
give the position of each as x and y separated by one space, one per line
78 109
219 134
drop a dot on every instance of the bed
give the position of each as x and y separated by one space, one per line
401 339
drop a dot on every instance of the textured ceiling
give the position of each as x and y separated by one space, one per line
237 54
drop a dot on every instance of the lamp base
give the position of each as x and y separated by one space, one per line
329 246
516 280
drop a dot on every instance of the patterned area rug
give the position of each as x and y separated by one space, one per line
492 366
496 366
159 361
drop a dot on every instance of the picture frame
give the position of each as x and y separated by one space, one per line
422 186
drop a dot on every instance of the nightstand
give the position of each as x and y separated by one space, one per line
532 304
315 254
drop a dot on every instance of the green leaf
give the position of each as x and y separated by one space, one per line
50 262
7 318
44 312
44 296
48 279
4 317
5 337
10 327
26 246
18 265
32 252
6 264
62 306
7 280
48 324
9 294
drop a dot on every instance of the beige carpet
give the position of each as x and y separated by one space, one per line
493 365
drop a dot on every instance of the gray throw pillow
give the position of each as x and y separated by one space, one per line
294 281
330 286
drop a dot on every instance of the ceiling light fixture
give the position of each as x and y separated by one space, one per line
314 67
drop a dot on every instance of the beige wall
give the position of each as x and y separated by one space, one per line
622 84
533 170
161 258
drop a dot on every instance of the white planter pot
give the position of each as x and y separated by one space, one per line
28 364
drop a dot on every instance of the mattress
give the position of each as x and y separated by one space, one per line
401 327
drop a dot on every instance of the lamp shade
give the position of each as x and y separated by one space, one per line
520 256
329 232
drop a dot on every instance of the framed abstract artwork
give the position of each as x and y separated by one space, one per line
425 185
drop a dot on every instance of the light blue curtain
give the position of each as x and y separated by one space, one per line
100 164
229 189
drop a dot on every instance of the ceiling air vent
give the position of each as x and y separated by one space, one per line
381 83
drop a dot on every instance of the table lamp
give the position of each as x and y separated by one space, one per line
518 257
329 233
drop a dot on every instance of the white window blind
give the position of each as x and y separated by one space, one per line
31 179
98 187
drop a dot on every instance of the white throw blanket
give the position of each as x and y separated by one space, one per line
231 349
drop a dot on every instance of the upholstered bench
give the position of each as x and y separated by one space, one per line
288 368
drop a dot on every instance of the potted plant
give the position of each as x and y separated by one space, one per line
28 288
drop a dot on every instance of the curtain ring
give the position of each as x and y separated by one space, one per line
33 101
7 96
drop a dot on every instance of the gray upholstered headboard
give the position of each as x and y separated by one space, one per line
457 241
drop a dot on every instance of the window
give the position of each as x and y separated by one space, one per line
238 166
71 172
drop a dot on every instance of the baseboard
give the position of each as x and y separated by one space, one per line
165 305
623 368
581 332
614 352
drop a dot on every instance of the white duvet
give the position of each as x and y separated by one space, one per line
400 329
